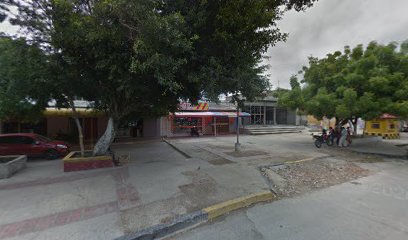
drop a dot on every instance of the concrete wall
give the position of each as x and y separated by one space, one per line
102 124
57 124
9 168
61 124
164 127
291 117
151 127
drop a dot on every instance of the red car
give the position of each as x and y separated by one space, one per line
32 145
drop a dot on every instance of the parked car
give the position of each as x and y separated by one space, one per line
32 145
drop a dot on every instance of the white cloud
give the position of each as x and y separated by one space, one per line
329 26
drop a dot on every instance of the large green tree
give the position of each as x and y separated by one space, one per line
142 56
23 74
359 82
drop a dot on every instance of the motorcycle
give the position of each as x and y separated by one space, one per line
320 139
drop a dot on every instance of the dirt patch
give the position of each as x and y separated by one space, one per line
308 176
219 161
153 213
369 159
248 153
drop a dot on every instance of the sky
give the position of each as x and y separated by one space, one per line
326 27
329 26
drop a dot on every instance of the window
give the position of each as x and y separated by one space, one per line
26 140
375 126
42 138
8 140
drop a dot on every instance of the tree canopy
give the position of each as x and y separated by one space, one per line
359 82
23 72
143 56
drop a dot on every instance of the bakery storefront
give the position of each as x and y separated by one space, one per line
207 123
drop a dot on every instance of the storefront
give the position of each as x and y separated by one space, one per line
207 123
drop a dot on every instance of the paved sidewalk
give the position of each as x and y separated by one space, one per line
157 185
376 145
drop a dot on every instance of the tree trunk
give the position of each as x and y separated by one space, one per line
79 128
355 125
80 136
106 139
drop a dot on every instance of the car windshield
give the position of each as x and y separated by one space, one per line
42 138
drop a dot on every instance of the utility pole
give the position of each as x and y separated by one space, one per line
237 144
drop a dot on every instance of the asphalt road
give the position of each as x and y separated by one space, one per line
375 207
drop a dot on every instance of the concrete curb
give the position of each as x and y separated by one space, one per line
190 220
162 230
222 208
176 148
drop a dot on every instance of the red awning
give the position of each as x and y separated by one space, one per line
211 114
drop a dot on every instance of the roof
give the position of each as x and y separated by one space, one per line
77 103
211 114
388 116
205 106
202 106
67 112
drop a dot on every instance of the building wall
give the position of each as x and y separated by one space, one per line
324 123
57 124
386 128
151 127
102 124
382 126
291 117
269 113
62 124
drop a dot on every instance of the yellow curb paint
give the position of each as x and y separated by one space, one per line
234 204
69 158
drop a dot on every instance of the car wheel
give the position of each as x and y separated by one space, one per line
51 154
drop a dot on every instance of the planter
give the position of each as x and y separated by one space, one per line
74 162
11 164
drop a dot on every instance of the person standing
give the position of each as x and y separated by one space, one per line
331 135
343 136
349 133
